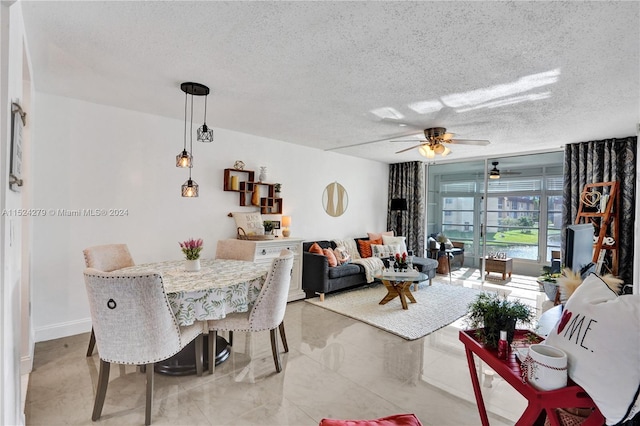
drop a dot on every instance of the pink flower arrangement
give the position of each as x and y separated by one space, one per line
402 259
192 248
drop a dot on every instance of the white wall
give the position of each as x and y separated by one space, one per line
89 156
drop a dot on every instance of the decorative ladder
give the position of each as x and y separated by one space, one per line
594 197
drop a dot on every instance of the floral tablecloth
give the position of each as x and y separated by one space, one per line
219 288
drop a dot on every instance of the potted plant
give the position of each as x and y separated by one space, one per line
277 187
490 313
268 226
191 249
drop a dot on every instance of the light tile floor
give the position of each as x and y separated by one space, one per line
336 367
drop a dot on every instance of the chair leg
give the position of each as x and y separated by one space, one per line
283 336
199 352
230 337
147 411
274 349
101 392
92 343
213 336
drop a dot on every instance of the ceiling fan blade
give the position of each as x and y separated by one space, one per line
479 142
411 140
508 172
447 136
410 148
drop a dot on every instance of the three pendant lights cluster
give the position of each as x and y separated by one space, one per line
205 134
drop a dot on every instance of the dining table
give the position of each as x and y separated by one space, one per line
220 287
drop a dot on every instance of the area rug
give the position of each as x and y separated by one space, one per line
437 305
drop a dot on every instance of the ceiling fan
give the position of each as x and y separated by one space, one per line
436 140
495 172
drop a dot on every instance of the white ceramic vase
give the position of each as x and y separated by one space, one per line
192 265
548 367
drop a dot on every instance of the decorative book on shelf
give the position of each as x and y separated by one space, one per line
252 193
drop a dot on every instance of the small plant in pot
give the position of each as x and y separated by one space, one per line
268 226
490 313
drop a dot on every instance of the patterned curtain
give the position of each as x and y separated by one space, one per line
604 161
407 180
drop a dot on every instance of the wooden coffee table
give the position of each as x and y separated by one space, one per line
501 266
398 285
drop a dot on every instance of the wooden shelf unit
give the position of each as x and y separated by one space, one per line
605 222
269 203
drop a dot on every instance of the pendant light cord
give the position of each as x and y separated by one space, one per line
185 121
191 137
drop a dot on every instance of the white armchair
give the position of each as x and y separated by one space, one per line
267 312
134 324
107 258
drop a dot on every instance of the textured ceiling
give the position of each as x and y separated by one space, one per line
528 76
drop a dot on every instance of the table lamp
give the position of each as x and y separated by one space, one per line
286 223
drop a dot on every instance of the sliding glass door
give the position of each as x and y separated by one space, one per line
518 213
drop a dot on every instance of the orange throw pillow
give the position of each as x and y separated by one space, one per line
364 246
330 257
315 248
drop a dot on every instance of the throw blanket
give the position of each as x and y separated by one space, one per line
372 265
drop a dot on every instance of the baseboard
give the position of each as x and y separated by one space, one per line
64 329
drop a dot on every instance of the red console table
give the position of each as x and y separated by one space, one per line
539 402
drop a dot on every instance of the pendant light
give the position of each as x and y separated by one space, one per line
184 158
190 188
205 134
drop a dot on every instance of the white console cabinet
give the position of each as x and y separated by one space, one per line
264 251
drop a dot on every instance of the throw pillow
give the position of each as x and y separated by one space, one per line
374 236
396 240
395 420
364 247
383 251
600 333
342 255
350 245
315 248
330 257
251 222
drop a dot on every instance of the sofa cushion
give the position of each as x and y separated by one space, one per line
396 240
322 243
315 248
350 245
342 255
384 251
345 270
374 236
331 258
364 246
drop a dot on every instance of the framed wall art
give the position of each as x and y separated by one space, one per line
15 169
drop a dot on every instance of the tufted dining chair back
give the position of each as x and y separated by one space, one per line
134 324
107 258
267 312
269 308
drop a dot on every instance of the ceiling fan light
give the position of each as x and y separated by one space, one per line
438 149
494 173
423 150
446 151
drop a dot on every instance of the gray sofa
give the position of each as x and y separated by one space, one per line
319 278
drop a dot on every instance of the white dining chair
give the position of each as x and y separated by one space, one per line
107 258
134 324
267 313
